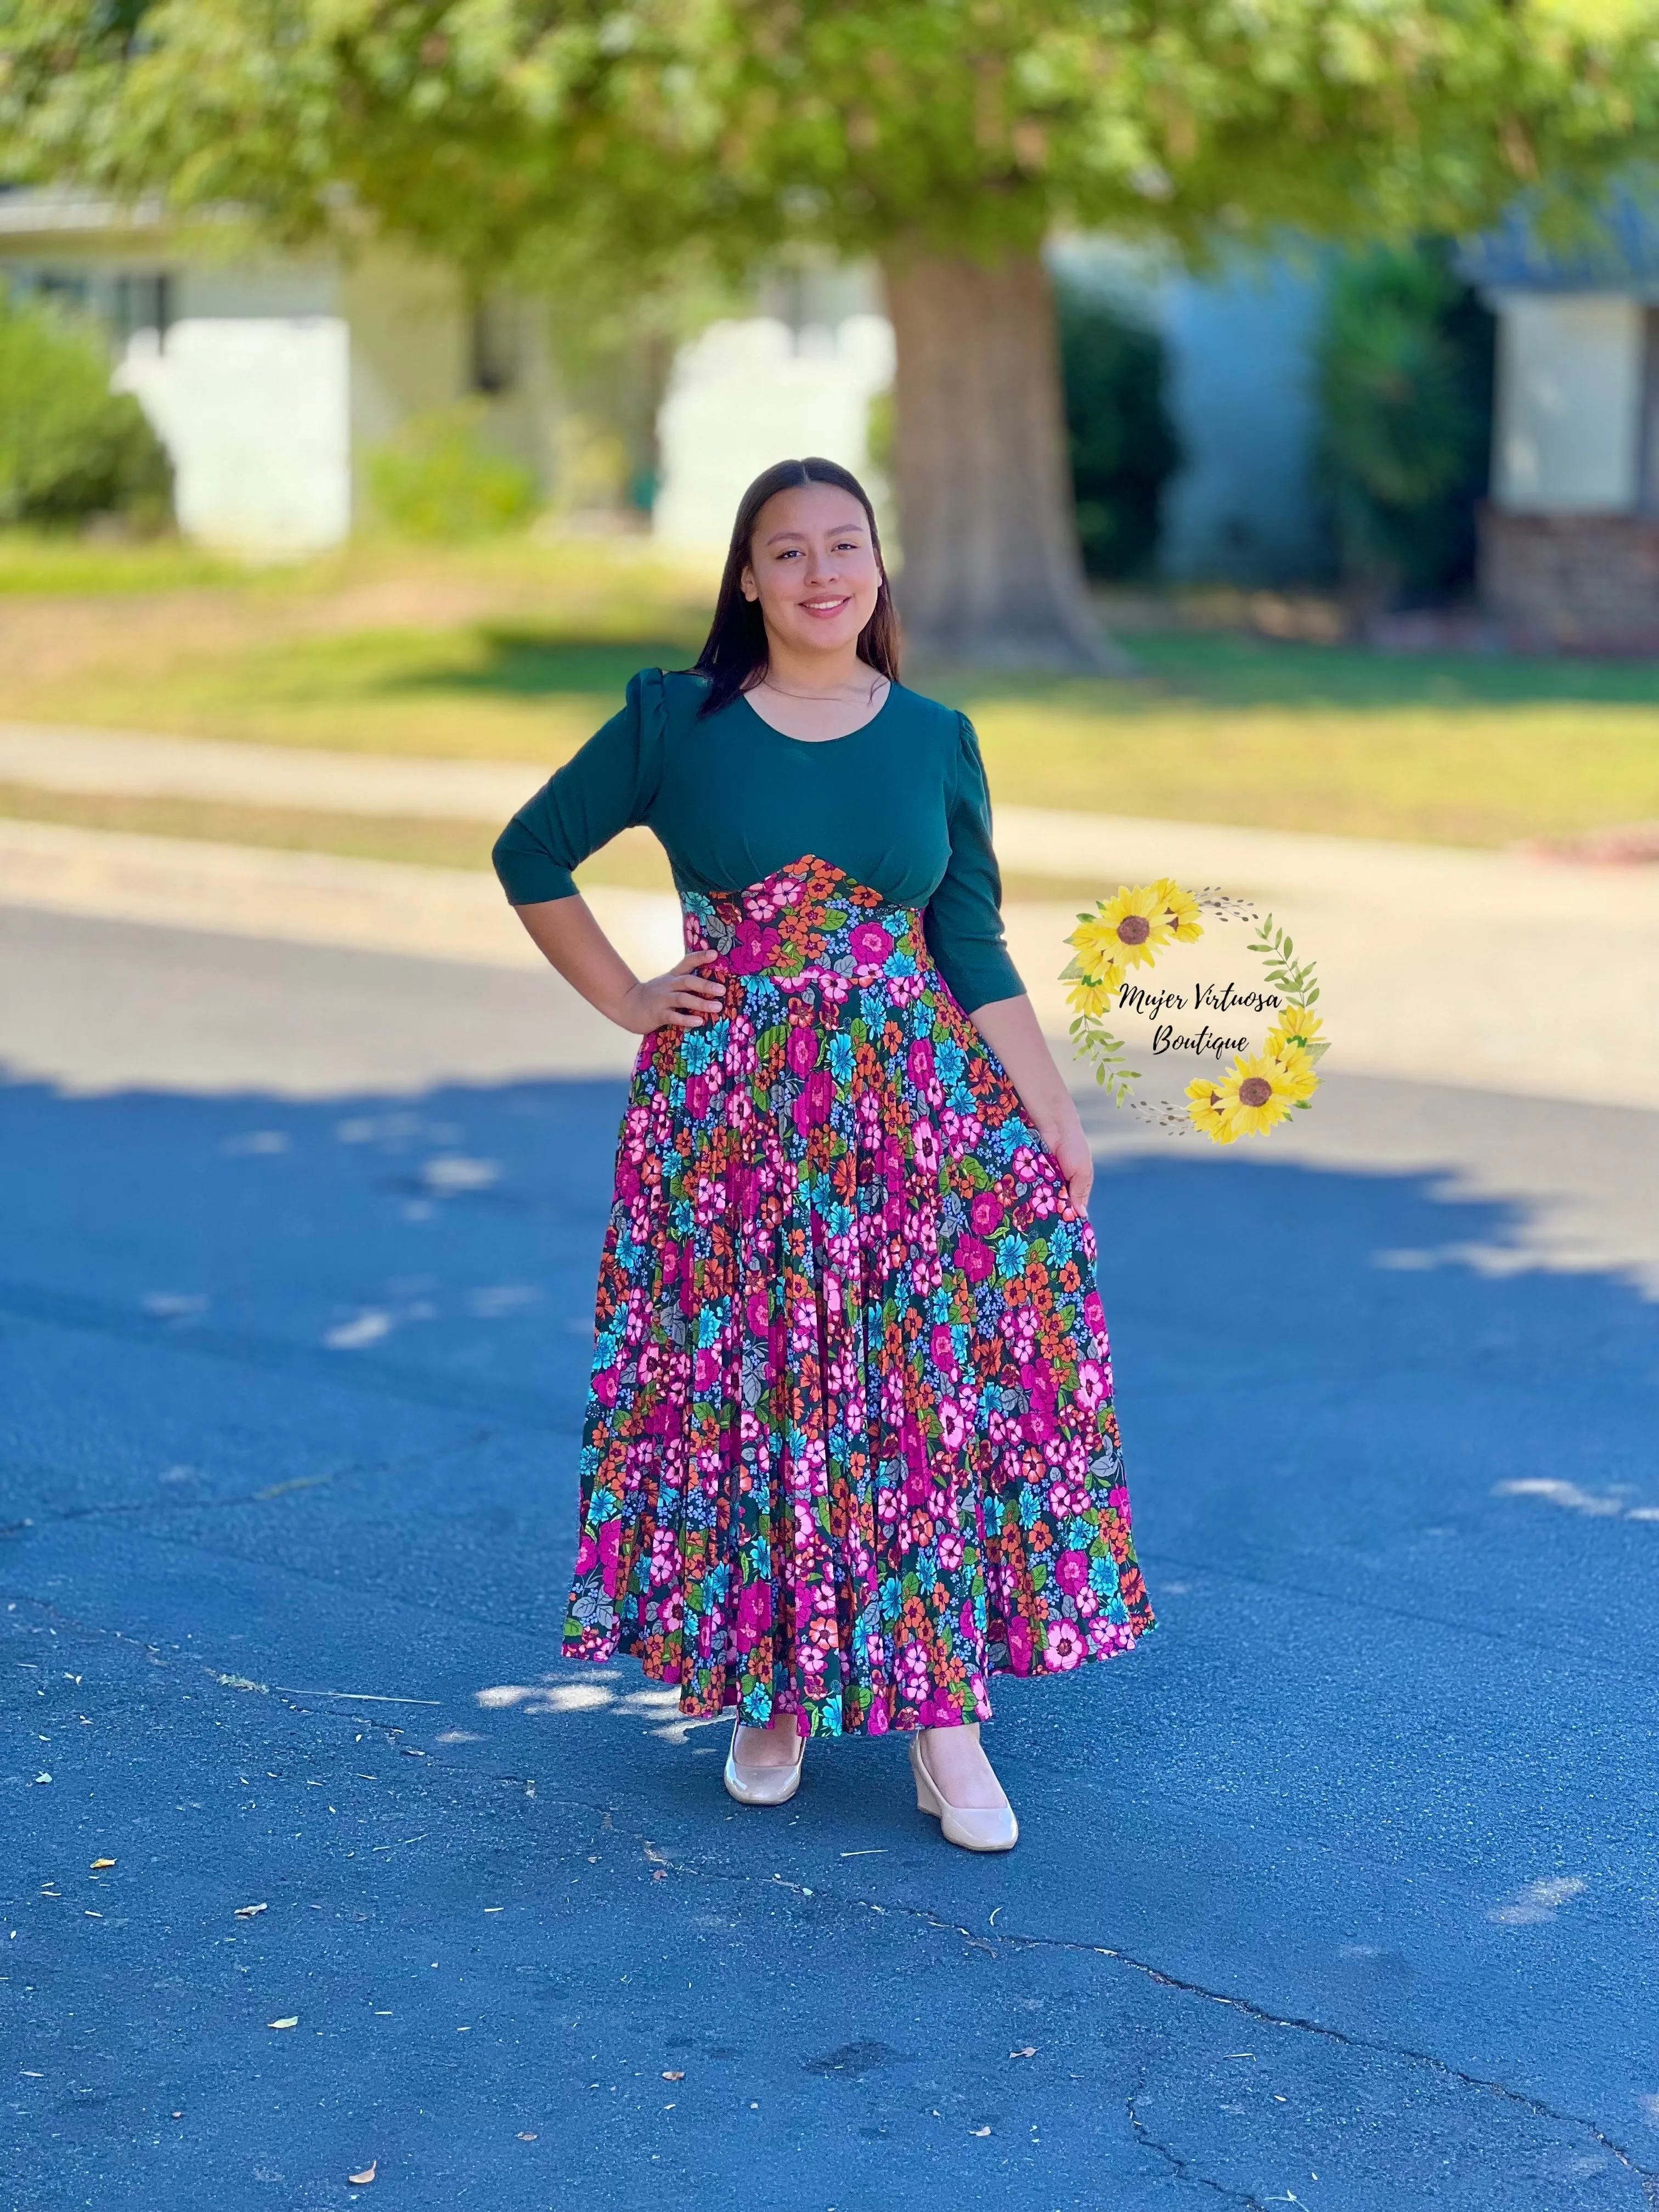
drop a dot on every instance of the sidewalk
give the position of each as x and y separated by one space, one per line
1438 963
133 764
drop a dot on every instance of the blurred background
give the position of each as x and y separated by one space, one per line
1261 405
1280 460
325 548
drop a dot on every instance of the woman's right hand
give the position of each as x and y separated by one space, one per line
680 999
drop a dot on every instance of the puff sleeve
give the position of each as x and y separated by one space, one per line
964 920
606 787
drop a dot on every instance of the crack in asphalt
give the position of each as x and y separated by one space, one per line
155 1650
1160 1978
1401 2053
1460 1625
269 1495
1184 2168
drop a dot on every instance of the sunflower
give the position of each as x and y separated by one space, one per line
1210 1112
1258 1092
1096 948
1181 910
1298 1025
1297 1065
1128 930
1094 995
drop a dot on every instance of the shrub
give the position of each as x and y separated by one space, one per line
70 447
438 479
1405 384
1122 442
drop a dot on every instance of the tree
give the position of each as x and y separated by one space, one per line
1124 448
948 137
1405 384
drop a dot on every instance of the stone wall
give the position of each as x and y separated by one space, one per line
1576 583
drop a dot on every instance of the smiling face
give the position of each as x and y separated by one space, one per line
813 569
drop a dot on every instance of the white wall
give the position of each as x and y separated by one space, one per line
747 393
255 411
1568 403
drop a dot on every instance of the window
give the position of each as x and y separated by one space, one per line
495 343
142 302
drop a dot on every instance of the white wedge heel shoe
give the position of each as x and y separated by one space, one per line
763 1785
972 1827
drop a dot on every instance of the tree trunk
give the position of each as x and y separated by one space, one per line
991 568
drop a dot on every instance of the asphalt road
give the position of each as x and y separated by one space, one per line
1341 1891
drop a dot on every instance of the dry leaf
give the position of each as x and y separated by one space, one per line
1028 2051
679 2077
361 2180
292 2021
247 1911
979 2131
97 1863
525 2138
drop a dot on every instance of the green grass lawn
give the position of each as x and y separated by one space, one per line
38 563
518 653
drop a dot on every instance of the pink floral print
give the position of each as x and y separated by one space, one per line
850 1447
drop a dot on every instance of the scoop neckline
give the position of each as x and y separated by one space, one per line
820 744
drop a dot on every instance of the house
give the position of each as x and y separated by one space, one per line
1238 339
272 377
797 377
1570 541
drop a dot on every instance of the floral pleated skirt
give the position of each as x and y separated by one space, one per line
850 1447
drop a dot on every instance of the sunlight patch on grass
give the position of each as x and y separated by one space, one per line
1477 776
518 650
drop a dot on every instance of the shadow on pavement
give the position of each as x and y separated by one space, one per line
1337 1894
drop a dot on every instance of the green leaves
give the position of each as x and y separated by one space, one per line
1295 978
1091 1041
70 447
511 131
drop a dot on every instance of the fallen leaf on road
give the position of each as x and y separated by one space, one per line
43 1777
1028 2051
360 2180
247 1911
525 2138
979 2131
659 1875
292 2020
97 1863
679 2077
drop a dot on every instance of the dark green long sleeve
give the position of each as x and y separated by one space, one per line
900 805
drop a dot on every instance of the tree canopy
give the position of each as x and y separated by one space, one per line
631 142
493 131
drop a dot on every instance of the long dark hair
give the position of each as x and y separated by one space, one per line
734 656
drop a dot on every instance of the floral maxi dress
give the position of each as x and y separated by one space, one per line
850 1447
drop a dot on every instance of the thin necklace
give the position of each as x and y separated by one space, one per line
821 698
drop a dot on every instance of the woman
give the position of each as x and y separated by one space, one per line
850 1447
